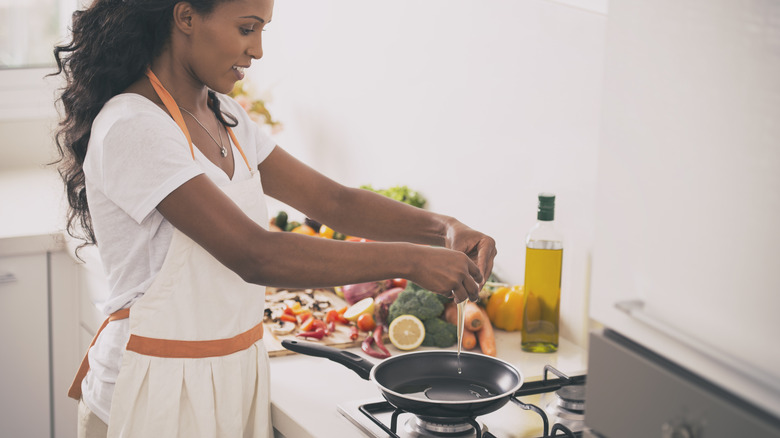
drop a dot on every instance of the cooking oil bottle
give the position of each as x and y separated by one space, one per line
543 261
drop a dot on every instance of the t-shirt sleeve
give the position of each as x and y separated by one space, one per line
144 157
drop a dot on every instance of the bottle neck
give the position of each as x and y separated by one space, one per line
544 236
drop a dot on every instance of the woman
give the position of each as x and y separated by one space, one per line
168 177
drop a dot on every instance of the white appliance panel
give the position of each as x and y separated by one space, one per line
688 204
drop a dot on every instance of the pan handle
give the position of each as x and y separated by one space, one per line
350 360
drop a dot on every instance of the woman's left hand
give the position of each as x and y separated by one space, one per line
479 247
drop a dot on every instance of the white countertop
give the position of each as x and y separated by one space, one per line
306 391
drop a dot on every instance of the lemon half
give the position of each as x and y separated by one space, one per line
366 305
406 332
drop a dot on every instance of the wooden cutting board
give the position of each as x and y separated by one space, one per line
277 298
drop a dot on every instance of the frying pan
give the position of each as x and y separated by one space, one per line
427 383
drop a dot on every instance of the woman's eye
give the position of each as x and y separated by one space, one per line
245 31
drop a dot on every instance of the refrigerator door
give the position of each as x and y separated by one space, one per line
687 259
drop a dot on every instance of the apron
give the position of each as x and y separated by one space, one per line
195 364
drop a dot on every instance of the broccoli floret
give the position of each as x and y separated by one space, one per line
439 333
418 302
444 300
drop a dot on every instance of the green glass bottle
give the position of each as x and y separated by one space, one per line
542 289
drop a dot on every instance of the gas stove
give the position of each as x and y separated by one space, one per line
548 407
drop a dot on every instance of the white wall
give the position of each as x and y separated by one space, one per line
478 105
27 117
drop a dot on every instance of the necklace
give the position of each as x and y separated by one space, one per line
222 149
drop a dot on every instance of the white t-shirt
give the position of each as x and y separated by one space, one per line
137 156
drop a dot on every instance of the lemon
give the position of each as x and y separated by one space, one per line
366 305
406 332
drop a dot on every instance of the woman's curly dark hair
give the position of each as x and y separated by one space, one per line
113 42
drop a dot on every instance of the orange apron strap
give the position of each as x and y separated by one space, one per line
173 108
169 103
195 349
238 146
75 388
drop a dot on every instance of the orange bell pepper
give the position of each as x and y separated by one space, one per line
505 308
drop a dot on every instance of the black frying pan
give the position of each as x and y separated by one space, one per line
427 383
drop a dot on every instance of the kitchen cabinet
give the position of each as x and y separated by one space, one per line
24 333
42 322
39 335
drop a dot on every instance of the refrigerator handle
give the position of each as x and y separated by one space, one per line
636 310
7 278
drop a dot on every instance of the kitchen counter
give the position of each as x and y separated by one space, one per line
306 391
33 212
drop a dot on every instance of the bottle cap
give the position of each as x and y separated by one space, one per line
546 207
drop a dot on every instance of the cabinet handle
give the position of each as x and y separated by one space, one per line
636 310
7 278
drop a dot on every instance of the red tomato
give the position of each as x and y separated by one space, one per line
288 318
366 322
333 315
399 282
307 325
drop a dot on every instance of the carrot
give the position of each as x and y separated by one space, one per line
474 318
486 336
451 316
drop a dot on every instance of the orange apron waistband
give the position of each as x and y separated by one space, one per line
74 391
169 348
195 349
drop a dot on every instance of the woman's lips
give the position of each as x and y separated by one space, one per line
239 72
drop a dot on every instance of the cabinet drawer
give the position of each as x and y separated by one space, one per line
24 339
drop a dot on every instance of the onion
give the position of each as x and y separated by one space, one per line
356 292
382 304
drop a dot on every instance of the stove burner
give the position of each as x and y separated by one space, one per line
568 407
571 398
418 427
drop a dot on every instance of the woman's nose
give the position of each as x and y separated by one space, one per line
255 50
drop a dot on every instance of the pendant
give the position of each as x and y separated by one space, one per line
223 152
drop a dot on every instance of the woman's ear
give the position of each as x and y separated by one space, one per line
182 17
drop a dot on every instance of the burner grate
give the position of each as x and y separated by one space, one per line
546 385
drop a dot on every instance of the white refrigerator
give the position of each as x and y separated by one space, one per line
686 264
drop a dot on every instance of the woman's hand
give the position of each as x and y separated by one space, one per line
445 272
480 248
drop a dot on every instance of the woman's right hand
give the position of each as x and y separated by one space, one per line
446 272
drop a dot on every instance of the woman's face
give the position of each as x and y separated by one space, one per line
225 42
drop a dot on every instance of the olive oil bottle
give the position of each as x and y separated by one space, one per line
543 261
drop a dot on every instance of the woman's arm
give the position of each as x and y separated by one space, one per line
201 210
363 213
354 212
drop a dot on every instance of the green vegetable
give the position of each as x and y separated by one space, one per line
427 306
291 226
418 302
400 193
444 300
439 333
281 220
